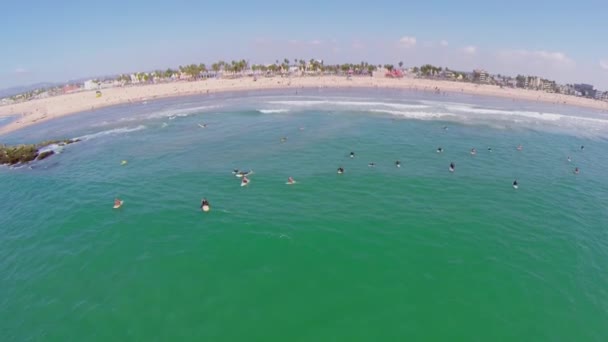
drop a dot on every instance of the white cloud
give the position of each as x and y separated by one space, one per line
407 41
471 49
443 43
604 64
20 71
316 42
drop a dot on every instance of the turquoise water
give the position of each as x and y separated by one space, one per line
374 254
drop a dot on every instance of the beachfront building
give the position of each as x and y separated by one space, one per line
585 90
480 76
602 96
91 85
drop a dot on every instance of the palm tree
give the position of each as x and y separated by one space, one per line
286 61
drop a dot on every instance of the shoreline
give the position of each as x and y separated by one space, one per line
41 110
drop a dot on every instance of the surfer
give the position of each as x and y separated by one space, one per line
205 205
519 147
582 147
340 170
243 173
117 203
398 163
283 139
245 181
439 150
445 128
489 149
473 151
290 180
576 170
352 154
569 159
452 167
515 185
235 171
371 164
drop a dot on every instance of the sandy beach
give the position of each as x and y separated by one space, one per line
41 110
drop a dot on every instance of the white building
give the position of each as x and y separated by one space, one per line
91 85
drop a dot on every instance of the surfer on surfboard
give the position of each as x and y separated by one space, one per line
439 149
398 163
290 181
352 154
205 205
515 184
452 167
244 181
340 170
117 203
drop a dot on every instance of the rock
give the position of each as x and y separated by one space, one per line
45 154
12 155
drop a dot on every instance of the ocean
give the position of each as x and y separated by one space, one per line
375 254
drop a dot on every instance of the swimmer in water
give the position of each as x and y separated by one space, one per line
439 150
515 185
576 170
352 154
489 149
519 147
340 170
473 151
452 167
398 163
371 164
582 147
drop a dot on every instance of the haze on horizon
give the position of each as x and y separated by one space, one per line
56 41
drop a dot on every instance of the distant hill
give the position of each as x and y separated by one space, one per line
24 89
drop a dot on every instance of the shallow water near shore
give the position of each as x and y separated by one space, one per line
380 253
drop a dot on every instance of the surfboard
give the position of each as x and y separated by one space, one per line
124 162
451 169
206 208
202 126
294 182
118 206
240 175
515 186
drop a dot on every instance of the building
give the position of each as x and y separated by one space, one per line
480 76
91 85
586 90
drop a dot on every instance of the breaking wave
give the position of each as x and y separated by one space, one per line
111 132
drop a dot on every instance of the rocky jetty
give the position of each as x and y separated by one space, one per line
20 154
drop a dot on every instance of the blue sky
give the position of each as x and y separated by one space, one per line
59 40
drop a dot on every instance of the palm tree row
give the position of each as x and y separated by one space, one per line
196 71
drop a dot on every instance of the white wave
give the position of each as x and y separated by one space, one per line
53 147
312 103
111 132
273 111
490 111
180 112
414 115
